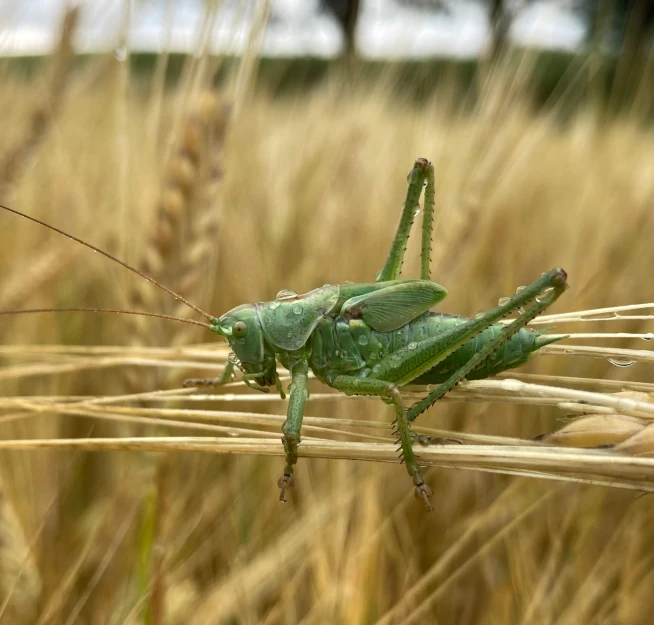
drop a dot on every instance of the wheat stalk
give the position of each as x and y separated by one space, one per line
181 248
20 581
18 157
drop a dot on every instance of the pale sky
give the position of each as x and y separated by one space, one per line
386 29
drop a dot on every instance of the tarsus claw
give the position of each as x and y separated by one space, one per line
425 441
284 482
424 492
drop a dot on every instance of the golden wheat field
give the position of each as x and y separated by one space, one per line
228 196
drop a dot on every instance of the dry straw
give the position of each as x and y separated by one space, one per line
20 581
17 158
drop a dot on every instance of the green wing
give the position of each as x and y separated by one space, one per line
392 307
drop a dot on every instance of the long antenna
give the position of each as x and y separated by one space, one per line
116 260
118 311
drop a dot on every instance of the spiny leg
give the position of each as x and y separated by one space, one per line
293 425
406 364
427 225
558 285
351 385
422 169
224 378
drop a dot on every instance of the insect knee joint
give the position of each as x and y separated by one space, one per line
290 435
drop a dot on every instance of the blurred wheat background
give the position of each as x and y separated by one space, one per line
228 194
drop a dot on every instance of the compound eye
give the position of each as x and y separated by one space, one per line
239 329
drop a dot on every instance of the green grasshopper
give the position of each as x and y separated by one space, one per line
372 338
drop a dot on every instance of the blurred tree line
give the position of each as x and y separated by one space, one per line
625 25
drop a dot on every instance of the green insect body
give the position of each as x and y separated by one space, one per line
372 338
352 346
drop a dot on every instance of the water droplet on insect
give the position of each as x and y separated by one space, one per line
297 309
362 340
418 211
648 337
232 358
289 335
412 345
493 355
621 362
376 368
479 314
372 356
520 289
324 286
273 305
424 184
503 300
544 294
286 294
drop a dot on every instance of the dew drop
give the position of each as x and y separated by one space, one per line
289 335
544 294
424 184
376 368
503 300
648 337
412 345
297 309
232 358
520 289
621 362
479 314
362 340
324 286
417 212
286 294
273 305
372 356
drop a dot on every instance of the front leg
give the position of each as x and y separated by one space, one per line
293 425
351 385
224 378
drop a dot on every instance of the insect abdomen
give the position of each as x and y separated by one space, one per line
514 353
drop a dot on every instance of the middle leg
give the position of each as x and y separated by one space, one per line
351 385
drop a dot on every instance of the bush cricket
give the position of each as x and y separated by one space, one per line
369 338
